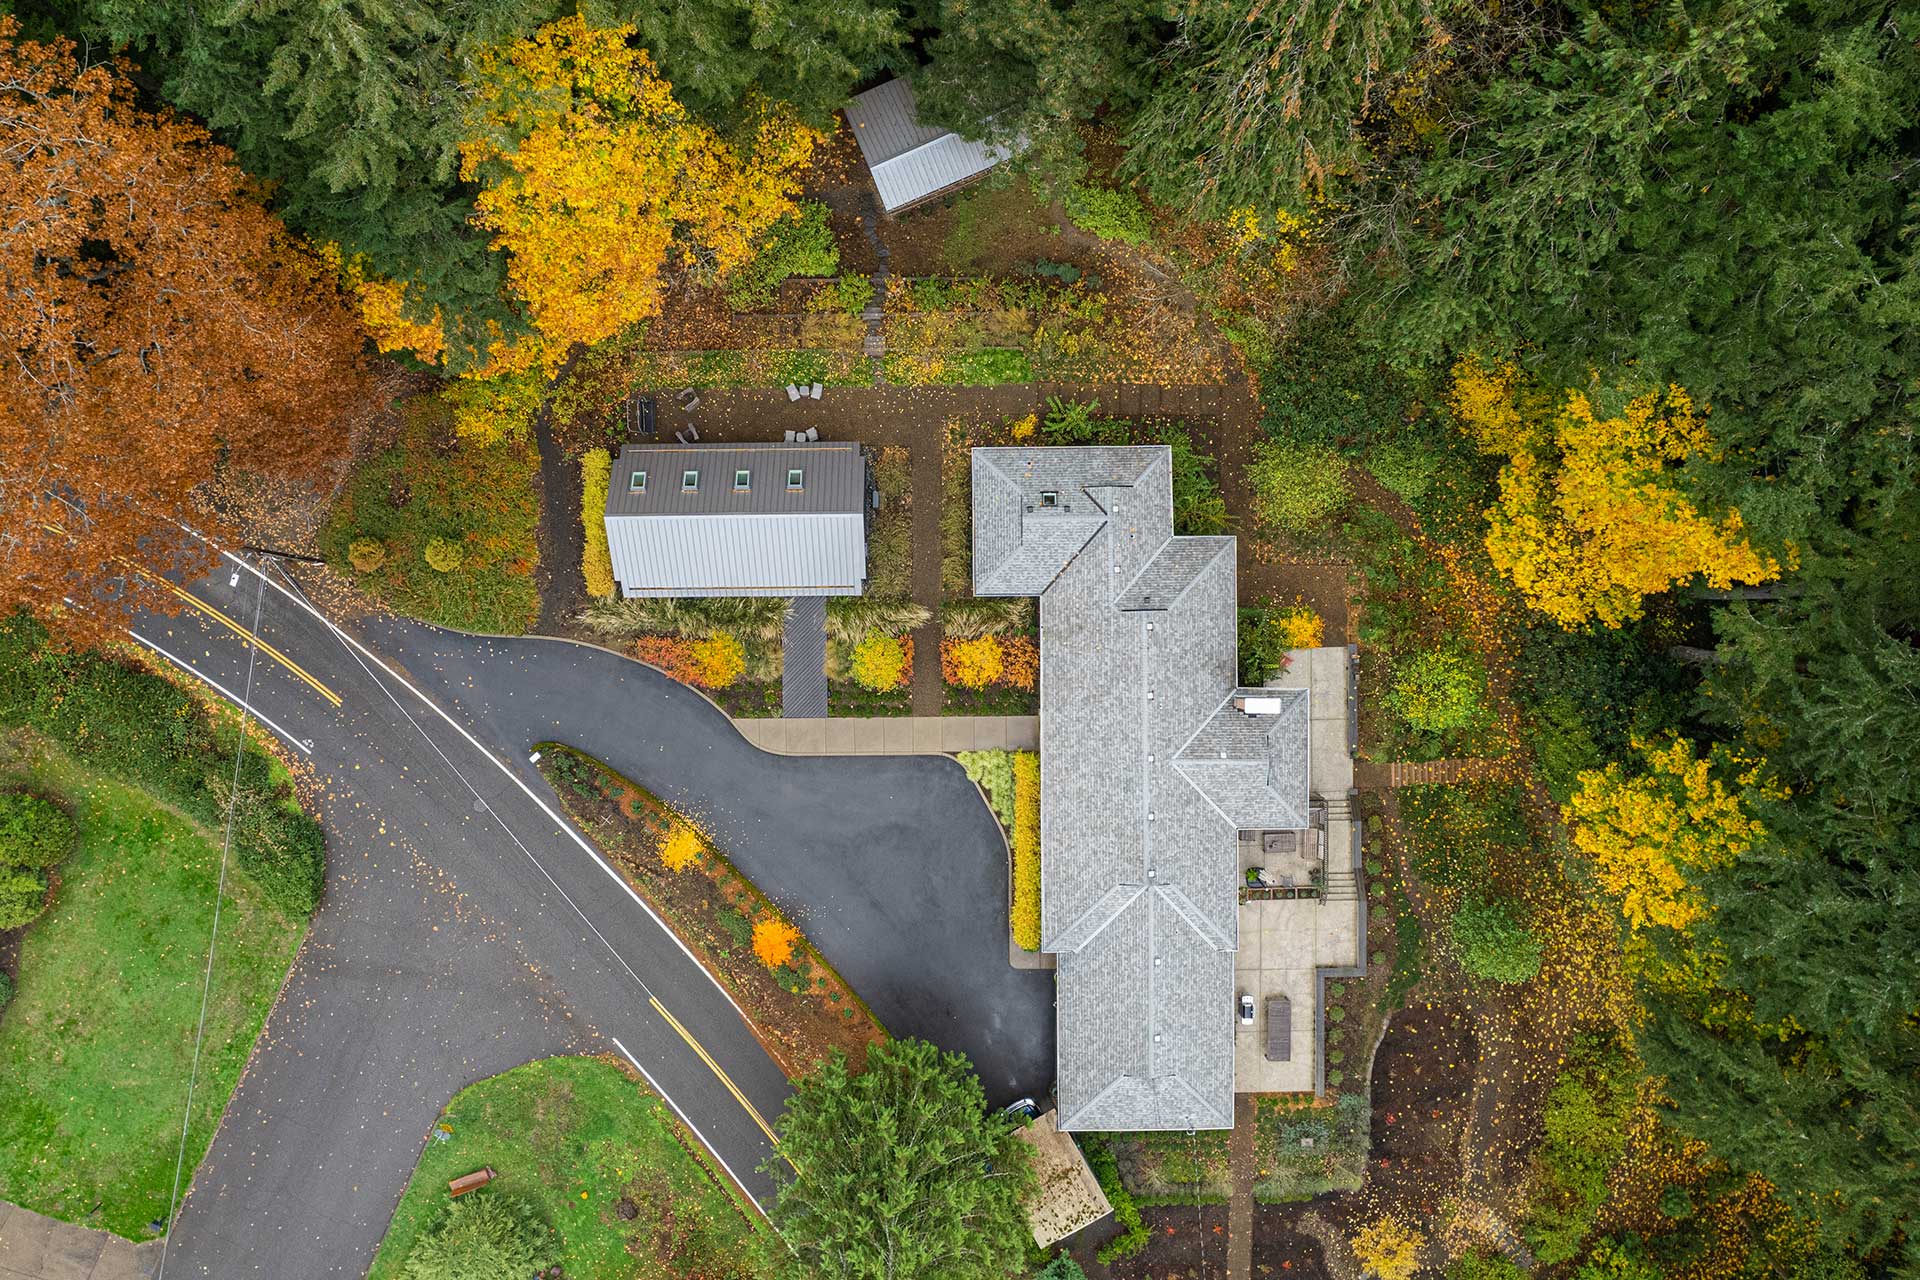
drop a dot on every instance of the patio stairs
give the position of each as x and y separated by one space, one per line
1339 886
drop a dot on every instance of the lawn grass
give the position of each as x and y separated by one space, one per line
483 497
572 1137
96 1045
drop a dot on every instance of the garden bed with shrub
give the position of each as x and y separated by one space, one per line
593 1175
1306 1149
443 529
1173 1167
1011 781
731 649
870 655
800 1007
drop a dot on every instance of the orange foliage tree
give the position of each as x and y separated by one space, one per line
973 663
157 318
1591 519
596 178
773 941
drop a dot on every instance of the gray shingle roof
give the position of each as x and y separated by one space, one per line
911 161
716 538
1147 768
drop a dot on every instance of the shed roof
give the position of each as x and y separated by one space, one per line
911 161
1148 768
714 537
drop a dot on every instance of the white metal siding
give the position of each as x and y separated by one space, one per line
701 555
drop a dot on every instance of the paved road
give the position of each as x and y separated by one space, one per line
463 932
466 929
892 864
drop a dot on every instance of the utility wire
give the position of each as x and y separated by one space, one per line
213 938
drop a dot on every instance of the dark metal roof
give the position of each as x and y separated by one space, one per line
834 480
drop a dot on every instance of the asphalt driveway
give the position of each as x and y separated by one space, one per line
893 865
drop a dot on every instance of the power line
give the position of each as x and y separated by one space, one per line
213 937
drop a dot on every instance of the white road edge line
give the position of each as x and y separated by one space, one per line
222 690
586 847
711 1149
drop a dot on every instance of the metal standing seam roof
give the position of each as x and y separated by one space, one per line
1147 770
718 539
911 161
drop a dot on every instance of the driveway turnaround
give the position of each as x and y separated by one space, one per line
893 865
465 930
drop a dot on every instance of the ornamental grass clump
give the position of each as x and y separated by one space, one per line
1026 850
366 554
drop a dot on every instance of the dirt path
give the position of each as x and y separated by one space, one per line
1243 1167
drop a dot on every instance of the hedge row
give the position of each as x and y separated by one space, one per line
146 731
596 561
1026 850
1134 1235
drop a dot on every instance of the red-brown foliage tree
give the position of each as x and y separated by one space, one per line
159 323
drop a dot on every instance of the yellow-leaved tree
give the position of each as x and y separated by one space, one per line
1652 834
1591 518
596 178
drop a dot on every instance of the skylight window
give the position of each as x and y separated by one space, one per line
742 481
637 483
1049 497
689 481
794 479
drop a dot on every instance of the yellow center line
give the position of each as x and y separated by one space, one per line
714 1067
231 625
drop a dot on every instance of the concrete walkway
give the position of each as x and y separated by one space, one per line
35 1247
892 735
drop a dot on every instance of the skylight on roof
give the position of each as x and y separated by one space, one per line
689 481
637 482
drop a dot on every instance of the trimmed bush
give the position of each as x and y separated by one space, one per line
992 771
1026 850
34 831
1437 691
443 555
1492 944
1297 487
972 664
849 295
879 663
366 554
1107 213
484 1235
23 896
717 660
596 562
1404 467
6 991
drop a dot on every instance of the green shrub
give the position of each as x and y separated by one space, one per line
6 991
799 244
1404 467
1297 487
1134 1235
1585 1122
34 831
1336 1014
1322 387
23 896
1481 1266
735 925
850 294
443 555
1438 691
1492 944
1107 213
1335 1079
1676 1203
1060 1267
484 1235
366 554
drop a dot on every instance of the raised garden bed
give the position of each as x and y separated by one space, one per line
802 1010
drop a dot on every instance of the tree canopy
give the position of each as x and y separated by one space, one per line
161 322
900 1171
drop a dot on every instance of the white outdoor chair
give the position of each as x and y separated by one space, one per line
816 390
793 392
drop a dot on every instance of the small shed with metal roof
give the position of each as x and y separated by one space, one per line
912 162
739 520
